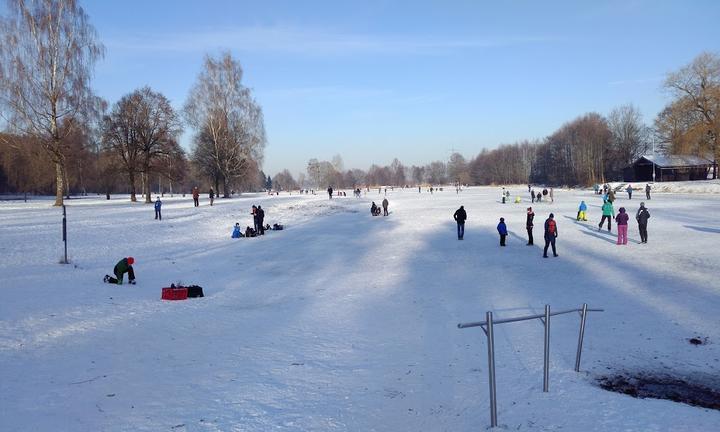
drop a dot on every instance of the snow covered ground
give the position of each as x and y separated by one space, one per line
347 322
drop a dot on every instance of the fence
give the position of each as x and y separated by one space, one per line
487 327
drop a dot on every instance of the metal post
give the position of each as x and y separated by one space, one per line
583 315
546 364
65 232
491 369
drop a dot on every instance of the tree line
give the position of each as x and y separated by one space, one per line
589 149
57 136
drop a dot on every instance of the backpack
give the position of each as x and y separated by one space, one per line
551 226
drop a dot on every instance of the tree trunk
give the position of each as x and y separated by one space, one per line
147 188
131 176
59 190
226 191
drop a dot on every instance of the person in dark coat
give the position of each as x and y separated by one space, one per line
551 234
642 219
460 216
532 196
502 230
385 204
647 191
629 191
330 191
123 266
261 220
211 195
529 225
158 206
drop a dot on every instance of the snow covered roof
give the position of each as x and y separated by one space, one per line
676 160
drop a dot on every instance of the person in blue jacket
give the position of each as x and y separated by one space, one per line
158 206
582 211
502 230
236 231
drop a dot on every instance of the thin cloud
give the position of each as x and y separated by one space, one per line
635 81
308 42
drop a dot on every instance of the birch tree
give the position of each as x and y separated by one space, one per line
230 131
48 50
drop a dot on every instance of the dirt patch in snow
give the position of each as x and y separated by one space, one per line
697 391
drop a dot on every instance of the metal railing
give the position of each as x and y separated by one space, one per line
487 327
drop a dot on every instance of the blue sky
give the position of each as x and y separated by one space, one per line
375 80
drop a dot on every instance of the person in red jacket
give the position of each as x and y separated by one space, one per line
622 226
550 235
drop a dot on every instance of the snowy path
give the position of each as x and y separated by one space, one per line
348 322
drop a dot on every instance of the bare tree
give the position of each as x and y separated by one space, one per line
230 132
141 128
697 87
47 55
284 181
629 137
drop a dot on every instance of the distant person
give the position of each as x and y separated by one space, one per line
552 195
260 219
629 191
528 188
607 213
237 232
551 234
158 207
622 226
196 196
596 188
642 219
460 216
330 191
529 225
647 191
502 230
532 196
123 266
503 195
385 204
582 211
211 195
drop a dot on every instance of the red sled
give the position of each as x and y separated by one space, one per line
179 293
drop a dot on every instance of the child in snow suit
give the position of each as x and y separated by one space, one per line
622 226
123 266
236 231
158 206
607 213
582 211
551 234
529 225
642 219
502 230
460 215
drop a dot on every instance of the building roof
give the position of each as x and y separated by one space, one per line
676 160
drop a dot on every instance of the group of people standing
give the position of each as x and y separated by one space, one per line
550 229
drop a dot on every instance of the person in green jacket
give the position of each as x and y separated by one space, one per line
607 213
123 266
